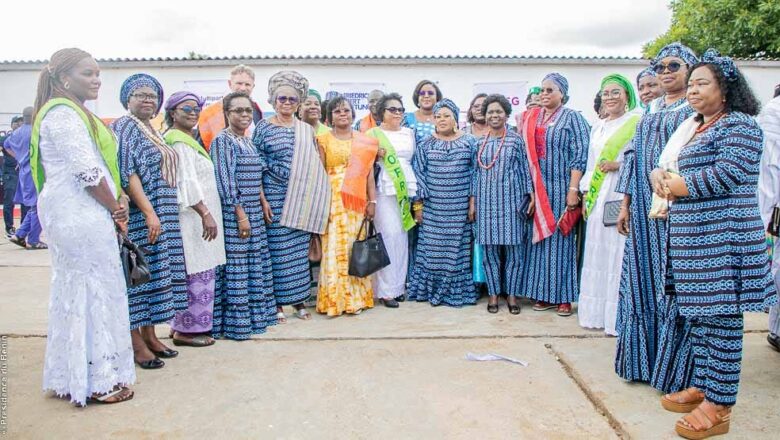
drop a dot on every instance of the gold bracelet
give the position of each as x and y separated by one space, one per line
245 219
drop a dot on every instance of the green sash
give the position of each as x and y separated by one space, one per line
173 135
104 140
609 153
393 168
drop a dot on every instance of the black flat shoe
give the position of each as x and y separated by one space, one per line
390 303
492 308
151 364
774 341
514 308
166 354
400 298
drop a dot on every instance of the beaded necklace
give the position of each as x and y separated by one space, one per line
170 159
495 157
704 126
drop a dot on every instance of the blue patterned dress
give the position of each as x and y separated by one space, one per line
422 130
244 303
649 338
717 249
551 263
154 302
501 194
289 247
442 269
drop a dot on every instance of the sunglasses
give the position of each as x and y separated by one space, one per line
614 93
190 109
286 99
547 90
673 66
396 110
240 110
427 93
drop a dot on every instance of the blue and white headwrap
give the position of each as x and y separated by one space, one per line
725 64
561 82
447 103
647 71
678 50
136 81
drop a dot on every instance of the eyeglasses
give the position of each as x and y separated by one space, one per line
286 99
547 90
673 66
614 93
145 96
190 109
427 92
341 111
396 110
240 110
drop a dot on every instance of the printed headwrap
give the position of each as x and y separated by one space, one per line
315 94
678 50
136 81
561 82
647 71
287 78
179 97
725 64
447 103
625 84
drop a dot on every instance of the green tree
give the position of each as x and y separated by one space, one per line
739 28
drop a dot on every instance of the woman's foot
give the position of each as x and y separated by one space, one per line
401 298
707 420
683 401
19 241
564 309
117 395
155 346
36 246
541 306
514 307
192 340
301 313
492 306
389 303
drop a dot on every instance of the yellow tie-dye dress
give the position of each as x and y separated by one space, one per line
338 292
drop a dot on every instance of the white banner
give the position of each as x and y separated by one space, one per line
356 93
515 92
210 89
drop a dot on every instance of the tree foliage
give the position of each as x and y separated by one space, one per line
739 28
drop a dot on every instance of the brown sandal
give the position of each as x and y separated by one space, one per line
683 401
703 422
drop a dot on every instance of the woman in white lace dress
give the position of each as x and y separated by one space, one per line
88 351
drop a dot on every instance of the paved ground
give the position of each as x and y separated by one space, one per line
384 374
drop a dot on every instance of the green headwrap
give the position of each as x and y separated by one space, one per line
621 80
315 94
535 90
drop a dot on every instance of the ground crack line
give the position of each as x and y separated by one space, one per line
597 403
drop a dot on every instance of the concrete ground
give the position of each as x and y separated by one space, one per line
383 374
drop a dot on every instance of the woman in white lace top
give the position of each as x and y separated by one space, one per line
88 351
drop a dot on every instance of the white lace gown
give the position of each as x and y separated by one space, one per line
88 349
603 257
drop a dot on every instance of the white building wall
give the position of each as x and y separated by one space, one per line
456 79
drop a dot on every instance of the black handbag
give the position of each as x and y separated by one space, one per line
773 228
368 255
611 212
135 266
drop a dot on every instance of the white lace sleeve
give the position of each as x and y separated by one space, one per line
67 131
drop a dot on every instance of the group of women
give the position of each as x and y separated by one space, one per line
229 228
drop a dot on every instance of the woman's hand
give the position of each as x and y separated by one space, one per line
153 226
268 214
121 214
418 216
370 211
210 230
531 205
572 200
658 179
472 215
244 226
608 166
380 153
624 220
